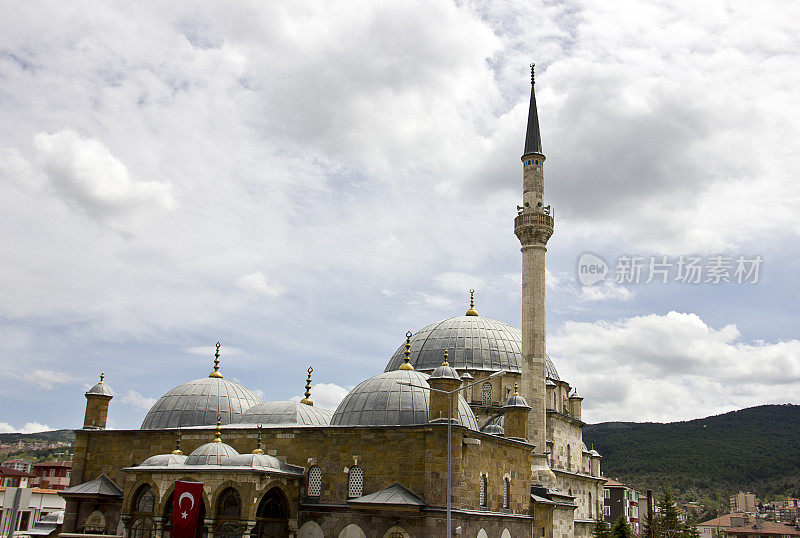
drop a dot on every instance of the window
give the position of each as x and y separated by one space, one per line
606 510
356 482
487 393
483 500
230 504
569 458
229 529
506 493
314 481
590 505
142 528
145 501
606 493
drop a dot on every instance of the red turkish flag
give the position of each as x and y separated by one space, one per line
186 509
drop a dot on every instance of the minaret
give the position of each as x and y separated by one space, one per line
533 226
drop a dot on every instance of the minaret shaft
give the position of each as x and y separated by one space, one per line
534 226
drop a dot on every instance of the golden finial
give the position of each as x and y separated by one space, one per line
177 450
258 445
516 388
407 359
532 74
471 311
307 400
102 375
445 363
218 434
216 372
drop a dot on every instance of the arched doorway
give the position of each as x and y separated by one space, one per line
272 516
142 512
229 514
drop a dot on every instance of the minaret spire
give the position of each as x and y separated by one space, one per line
533 139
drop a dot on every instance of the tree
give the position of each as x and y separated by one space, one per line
621 529
667 518
601 529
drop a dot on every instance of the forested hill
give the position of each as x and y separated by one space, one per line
755 449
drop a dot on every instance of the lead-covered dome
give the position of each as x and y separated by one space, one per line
214 453
472 342
382 401
199 402
287 413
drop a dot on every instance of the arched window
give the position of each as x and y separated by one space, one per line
506 493
487 394
144 504
314 481
145 501
272 516
355 486
229 504
483 497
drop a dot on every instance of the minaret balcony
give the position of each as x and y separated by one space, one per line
533 228
533 219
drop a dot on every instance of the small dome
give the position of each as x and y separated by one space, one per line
256 461
213 453
199 402
473 342
515 401
164 460
495 426
101 389
445 371
287 413
381 401
595 453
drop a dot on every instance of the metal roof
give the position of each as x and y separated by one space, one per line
100 389
164 460
287 413
213 453
395 495
381 401
198 402
472 343
102 485
262 462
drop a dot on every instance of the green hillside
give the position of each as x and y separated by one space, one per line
755 449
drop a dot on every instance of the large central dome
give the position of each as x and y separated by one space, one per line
472 343
199 402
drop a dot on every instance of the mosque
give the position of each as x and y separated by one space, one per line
377 466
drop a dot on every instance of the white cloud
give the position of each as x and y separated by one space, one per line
326 395
605 291
458 282
29 427
44 379
86 174
672 366
134 399
258 283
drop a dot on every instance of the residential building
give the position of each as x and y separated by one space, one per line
32 504
620 500
743 525
18 465
744 503
13 478
52 474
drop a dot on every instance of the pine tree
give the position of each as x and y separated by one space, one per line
621 529
601 529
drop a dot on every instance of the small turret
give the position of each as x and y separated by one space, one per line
575 405
97 399
447 379
515 416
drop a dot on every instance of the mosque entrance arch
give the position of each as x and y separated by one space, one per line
272 516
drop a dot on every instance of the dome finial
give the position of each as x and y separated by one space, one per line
445 363
533 81
216 372
218 434
102 375
307 400
407 359
516 388
177 450
258 449
471 311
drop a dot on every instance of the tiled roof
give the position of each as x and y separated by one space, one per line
102 485
8 471
760 526
614 484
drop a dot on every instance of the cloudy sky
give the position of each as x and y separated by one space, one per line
306 181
